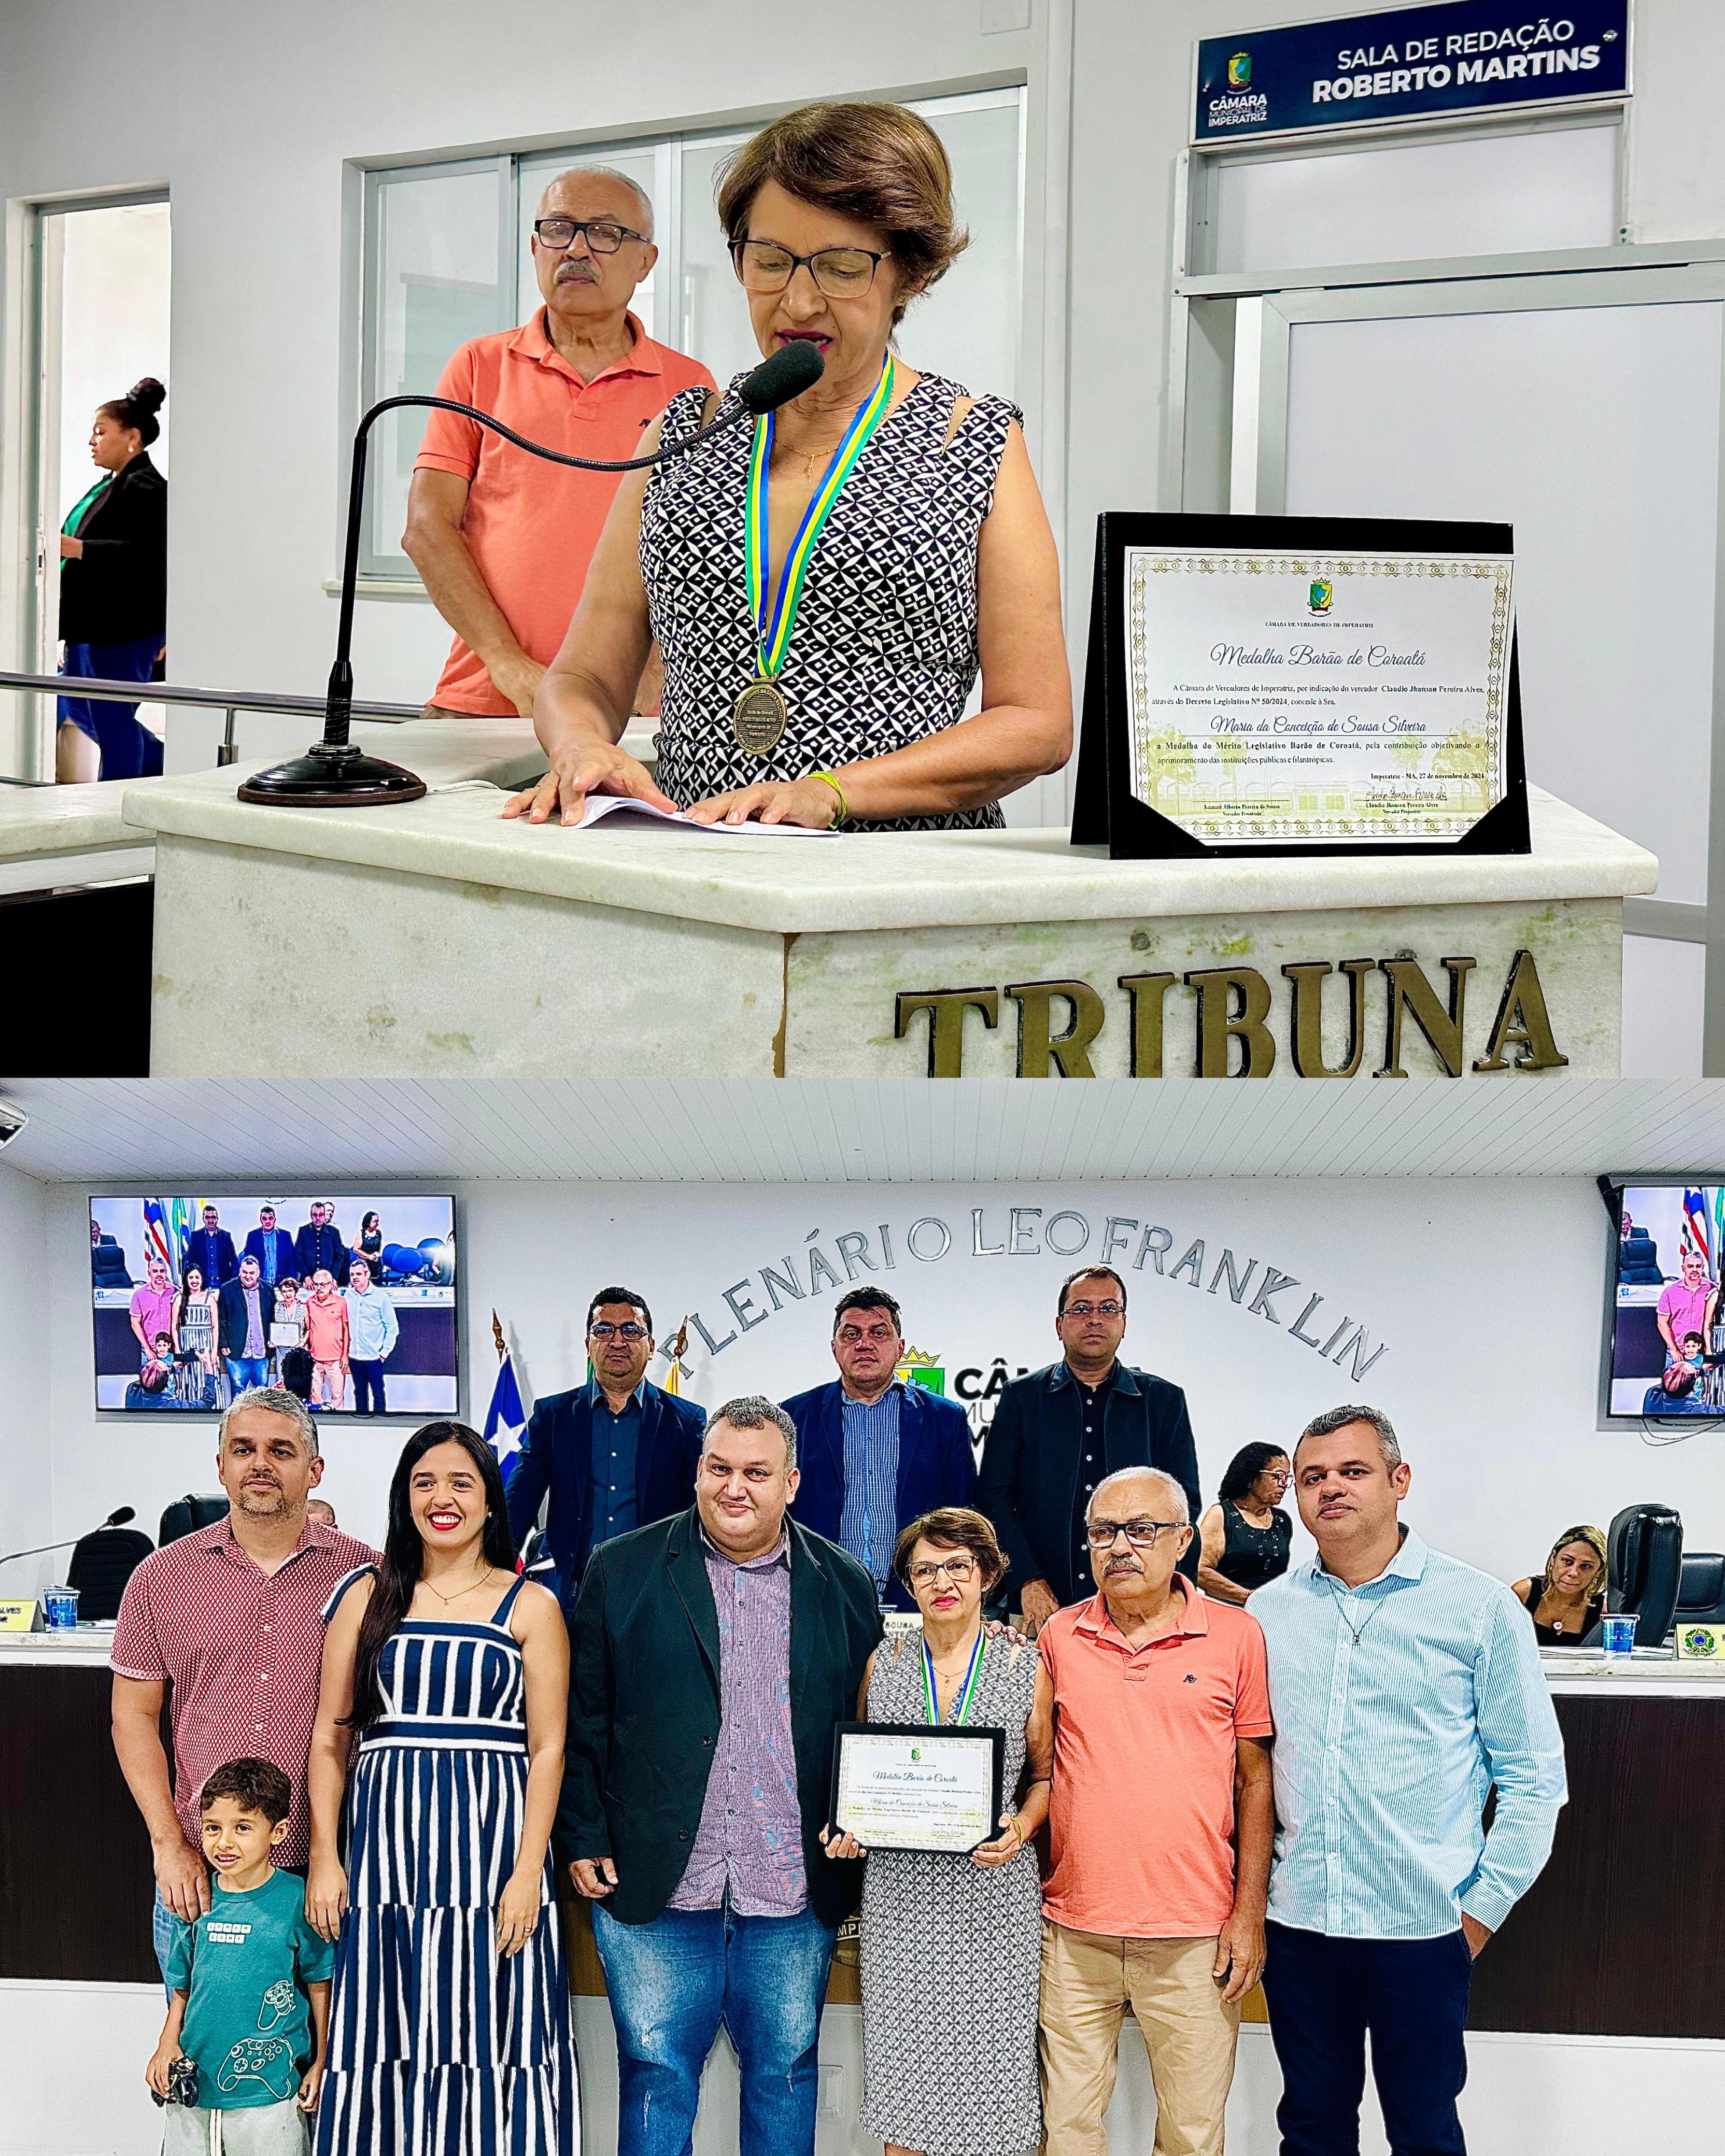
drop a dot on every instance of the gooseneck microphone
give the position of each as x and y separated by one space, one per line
334 774
117 1518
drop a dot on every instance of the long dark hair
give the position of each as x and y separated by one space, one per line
404 1555
1247 1465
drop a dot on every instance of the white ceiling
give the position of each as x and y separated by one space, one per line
760 1131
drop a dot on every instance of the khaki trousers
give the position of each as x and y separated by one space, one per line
1087 1980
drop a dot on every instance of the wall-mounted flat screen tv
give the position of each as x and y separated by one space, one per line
1667 1338
347 1300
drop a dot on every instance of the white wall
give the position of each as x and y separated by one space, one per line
26 1452
243 112
1487 1299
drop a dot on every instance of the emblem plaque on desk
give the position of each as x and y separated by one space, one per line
910 1785
1301 685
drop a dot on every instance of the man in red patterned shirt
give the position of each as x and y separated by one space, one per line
227 1623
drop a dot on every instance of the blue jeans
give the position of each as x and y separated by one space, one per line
246 1370
675 1982
1325 1996
129 750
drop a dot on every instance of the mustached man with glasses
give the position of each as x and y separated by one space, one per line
501 539
1161 1821
1057 1433
877 1453
614 1453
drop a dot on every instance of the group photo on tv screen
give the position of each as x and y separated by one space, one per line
1667 1351
348 1301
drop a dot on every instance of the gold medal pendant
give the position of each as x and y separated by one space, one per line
758 716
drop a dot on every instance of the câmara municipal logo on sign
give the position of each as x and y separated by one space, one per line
1239 71
1322 595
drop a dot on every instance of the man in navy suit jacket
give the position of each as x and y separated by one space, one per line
272 1248
321 1247
876 1454
210 1248
616 1453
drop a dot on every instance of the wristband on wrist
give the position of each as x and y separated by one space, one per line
827 777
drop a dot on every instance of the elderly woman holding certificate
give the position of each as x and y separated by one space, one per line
949 2066
825 586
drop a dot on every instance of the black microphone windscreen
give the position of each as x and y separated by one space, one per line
792 369
119 1518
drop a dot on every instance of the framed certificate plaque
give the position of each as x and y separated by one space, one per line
1299 684
915 1786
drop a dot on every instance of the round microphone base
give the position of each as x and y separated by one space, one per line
332 776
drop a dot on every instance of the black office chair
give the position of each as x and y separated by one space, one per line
101 1564
107 1264
185 1515
1700 1590
1638 1260
1645 1551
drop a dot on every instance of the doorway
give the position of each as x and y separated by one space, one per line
102 323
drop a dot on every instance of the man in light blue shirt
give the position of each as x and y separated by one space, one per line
372 1331
1405 1685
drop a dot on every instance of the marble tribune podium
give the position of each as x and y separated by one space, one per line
438 938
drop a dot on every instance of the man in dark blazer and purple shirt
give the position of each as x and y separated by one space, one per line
1058 1432
875 1453
615 1454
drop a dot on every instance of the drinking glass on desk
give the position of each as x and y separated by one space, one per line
1617 1637
60 1608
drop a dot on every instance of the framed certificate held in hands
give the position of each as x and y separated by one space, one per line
910 1785
1301 685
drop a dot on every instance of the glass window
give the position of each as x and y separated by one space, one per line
437 247
440 241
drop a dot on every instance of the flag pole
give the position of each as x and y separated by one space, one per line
497 1335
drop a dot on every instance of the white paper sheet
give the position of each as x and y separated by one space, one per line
621 807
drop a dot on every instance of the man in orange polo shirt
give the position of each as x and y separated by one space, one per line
1161 1770
502 539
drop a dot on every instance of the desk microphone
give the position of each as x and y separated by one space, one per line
334 774
117 1518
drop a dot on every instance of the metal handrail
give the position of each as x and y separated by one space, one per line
231 701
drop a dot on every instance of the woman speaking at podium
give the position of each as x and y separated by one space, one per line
824 586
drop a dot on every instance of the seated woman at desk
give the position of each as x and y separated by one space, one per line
825 586
1568 1598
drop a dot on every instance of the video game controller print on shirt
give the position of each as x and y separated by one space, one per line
266 2059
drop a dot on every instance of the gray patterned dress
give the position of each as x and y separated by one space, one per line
884 651
951 1953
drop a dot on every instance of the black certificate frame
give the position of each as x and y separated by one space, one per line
942 1732
1105 810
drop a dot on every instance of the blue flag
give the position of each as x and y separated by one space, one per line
506 1419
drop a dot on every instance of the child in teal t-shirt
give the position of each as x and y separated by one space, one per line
250 1984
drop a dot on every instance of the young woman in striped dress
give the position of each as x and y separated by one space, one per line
450 2021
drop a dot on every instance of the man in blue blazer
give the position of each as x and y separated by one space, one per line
616 1453
272 1248
210 1248
320 1246
876 1453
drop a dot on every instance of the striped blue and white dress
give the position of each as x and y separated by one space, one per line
438 2046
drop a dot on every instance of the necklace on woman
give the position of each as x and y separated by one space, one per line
479 1578
967 1690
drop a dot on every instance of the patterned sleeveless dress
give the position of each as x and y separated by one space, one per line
884 651
951 1953
439 2046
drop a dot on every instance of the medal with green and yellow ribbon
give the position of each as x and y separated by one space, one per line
758 718
967 1691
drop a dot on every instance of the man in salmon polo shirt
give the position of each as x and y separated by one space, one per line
1161 1771
502 539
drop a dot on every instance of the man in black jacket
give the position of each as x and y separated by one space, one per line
1058 1432
712 1656
320 1246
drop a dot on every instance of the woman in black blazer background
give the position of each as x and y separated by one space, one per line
114 592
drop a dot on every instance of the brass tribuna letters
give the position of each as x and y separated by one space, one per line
1235 1038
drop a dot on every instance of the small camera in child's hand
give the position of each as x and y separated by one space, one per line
182 2083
